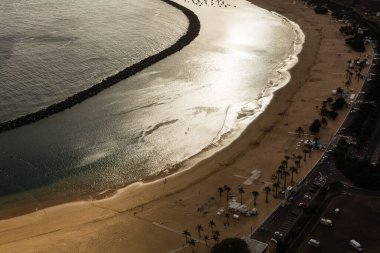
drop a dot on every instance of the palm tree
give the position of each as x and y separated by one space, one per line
287 157
292 170
286 174
199 228
324 121
298 164
339 91
278 172
299 131
227 218
217 232
212 224
350 76
282 169
324 112
273 178
220 190
192 244
215 238
241 191
228 189
255 194
206 238
267 190
186 234
299 157
304 152
284 163
276 185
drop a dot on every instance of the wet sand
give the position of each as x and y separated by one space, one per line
150 217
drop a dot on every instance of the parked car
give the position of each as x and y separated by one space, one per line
326 222
274 240
356 245
307 197
278 234
301 205
314 243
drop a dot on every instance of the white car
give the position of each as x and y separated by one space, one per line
220 211
278 234
307 197
273 240
235 216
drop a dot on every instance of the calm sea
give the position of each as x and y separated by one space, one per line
199 98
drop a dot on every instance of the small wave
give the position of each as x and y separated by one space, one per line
92 158
281 70
138 108
204 109
238 118
150 130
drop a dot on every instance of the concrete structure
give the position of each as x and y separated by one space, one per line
255 246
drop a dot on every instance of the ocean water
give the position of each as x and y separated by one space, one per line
198 99
50 50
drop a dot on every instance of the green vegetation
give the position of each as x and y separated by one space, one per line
338 104
315 126
321 10
231 245
356 42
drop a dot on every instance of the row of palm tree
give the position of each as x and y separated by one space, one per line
241 191
199 228
284 171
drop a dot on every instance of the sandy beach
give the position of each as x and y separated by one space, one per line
151 217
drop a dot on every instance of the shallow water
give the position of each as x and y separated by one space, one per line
201 97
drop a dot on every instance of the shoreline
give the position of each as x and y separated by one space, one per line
266 135
284 68
191 33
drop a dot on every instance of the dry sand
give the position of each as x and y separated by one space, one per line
150 217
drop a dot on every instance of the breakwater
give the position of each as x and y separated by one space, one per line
191 33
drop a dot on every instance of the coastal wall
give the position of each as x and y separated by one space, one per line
191 33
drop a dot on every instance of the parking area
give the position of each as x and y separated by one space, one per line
358 218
